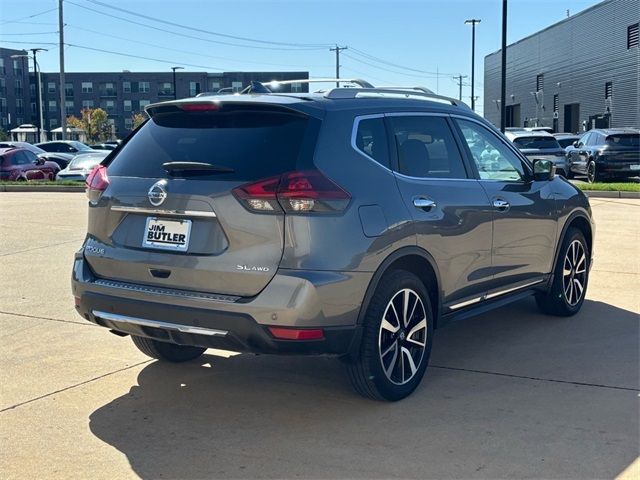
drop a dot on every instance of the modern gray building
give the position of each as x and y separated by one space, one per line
120 94
579 73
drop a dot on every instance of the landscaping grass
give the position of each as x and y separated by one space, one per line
609 187
45 183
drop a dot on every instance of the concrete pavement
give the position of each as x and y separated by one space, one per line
511 393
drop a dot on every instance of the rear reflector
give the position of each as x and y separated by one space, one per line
306 191
199 107
297 333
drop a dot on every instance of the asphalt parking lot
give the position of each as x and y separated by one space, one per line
511 393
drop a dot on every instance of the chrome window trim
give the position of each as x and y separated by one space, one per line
114 317
354 132
159 211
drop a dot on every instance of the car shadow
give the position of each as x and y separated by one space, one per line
251 416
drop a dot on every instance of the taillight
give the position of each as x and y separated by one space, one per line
97 182
306 191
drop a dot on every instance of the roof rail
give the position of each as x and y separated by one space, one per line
417 87
358 81
396 92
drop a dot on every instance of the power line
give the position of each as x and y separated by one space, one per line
380 60
29 16
30 33
29 43
387 69
164 30
200 30
139 42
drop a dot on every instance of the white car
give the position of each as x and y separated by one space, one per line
80 167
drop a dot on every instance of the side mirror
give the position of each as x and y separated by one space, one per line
39 161
543 170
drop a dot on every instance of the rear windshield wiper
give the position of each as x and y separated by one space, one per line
194 168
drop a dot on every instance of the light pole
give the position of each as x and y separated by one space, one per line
175 93
473 22
36 71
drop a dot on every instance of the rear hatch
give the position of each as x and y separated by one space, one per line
540 147
623 147
185 227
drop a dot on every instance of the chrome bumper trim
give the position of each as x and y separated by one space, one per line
157 211
114 317
132 287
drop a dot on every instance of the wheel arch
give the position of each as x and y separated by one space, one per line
580 221
414 260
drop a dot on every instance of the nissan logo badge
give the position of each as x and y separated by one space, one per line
158 193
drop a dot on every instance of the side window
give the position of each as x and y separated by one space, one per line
495 161
19 158
52 147
584 140
30 156
371 139
426 147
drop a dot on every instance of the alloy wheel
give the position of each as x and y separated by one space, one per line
403 336
591 172
574 273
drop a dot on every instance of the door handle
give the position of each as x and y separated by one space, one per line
501 205
424 203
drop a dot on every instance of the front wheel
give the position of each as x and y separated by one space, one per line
593 175
169 352
570 278
396 340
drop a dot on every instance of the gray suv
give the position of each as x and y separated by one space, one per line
350 222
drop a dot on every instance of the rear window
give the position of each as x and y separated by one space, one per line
565 142
624 140
540 143
85 161
255 143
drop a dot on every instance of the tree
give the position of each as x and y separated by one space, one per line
4 136
138 119
94 122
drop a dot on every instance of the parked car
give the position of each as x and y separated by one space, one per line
323 223
81 165
539 144
64 146
610 153
61 159
539 129
20 164
566 139
104 146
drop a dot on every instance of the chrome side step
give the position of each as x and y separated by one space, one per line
114 317
494 294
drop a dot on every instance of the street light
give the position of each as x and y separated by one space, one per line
36 70
175 94
473 22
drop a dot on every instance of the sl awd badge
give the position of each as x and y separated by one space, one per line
157 193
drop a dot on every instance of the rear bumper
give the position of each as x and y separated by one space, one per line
296 299
619 168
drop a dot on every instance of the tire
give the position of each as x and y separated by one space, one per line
570 277
568 174
168 352
394 353
592 173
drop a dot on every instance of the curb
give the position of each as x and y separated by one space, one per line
608 194
53 188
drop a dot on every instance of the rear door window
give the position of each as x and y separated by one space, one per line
426 147
255 143
624 140
539 143
371 139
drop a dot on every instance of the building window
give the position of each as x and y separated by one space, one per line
555 103
87 104
87 87
236 86
112 125
51 87
2 66
109 89
110 105
539 82
143 87
3 104
17 68
144 103
3 86
296 87
19 107
608 89
33 108
126 87
18 87
52 105
194 88
214 86
68 89
68 106
632 36
127 105
19 120
53 123
166 88
128 123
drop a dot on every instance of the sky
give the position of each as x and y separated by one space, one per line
421 42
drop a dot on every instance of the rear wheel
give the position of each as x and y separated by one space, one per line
396 341
169 352
593 175
570 278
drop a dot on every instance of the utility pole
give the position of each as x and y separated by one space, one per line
36 71
503 86
337 50
63 109
175 92
459 79
473 22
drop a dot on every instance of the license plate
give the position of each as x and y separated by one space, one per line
634 167
167 234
